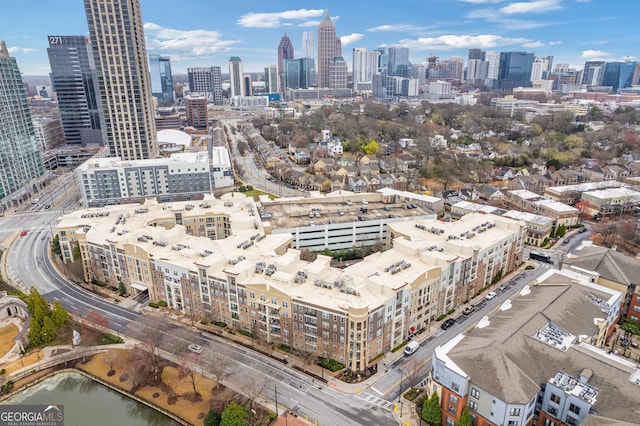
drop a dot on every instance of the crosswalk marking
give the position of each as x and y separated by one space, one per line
383 403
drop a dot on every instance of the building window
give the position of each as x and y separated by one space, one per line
571 421
450 422
514 412
475 393
553 411
473 405
574 409
453 399
555 398
548 422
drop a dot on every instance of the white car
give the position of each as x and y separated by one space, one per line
490 295
195 348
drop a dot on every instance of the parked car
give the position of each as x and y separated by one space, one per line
583 229
468 310
491 295
195 348
503 287
23 233
448 323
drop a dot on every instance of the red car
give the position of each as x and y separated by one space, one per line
23 233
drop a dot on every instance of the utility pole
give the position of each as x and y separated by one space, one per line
275 388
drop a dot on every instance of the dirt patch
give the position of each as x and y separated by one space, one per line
7 335
26 361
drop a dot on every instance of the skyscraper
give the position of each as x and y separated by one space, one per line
619 75
161 79
398 62
365 64
271 78
514 70
20 159
236 76
541 68
73 76
285 51
308 45
329 48
119 51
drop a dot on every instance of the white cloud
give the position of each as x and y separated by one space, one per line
555 42
21 50
595 54
274 20
395 27
351 38
185 43
537 6
483 41
533 44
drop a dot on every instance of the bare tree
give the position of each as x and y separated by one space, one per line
411 371
219 366
188 364
252 387
110 358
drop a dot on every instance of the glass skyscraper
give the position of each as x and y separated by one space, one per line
20 158
73 77
514 70
619 75
161 79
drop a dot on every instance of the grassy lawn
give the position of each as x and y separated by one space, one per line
7 334
27 360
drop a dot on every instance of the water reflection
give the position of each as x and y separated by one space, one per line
87 402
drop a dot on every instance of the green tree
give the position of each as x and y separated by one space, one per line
212 418
561 230
55 245
59 315
76 253
369 146
465 418
431 412
122 289
234 414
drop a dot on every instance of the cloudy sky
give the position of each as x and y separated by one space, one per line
209 32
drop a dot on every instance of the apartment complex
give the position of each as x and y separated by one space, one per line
214 259
185 176
119 52
539 360
561 213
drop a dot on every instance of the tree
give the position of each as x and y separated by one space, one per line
234 414
252 387
55 245
431 412
219 366
465 418
122 289
110 358
59 315
188 364
76 253
212 418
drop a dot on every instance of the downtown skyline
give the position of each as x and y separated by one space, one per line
573 31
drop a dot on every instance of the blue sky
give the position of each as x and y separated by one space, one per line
208 32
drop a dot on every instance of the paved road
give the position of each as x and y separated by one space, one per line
29 263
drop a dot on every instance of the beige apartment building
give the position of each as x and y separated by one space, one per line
213 260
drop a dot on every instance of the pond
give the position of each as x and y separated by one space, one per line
87 402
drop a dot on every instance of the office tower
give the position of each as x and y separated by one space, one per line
338 74
236 76
74 80
49 132
453 68
593 72
271 78
161 79
329 48
365 64
299 73
119 51
398 61
308 45
206 81
619 75
285 51
20 160
514 70
477 54
248 85
196 111
541 68
383 60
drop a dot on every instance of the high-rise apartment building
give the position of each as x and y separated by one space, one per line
514 70
493 65
541 68
248 85
119 51
329 47
271 78
161 79
338 73
236 76
206 81
308 45
20 159
593 72
365 64
73 76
